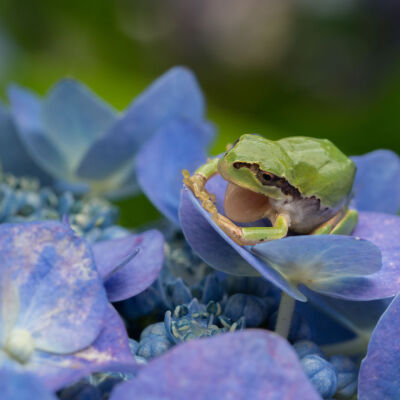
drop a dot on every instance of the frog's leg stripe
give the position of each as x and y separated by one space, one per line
343 223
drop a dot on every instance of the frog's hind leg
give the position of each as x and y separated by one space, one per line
342 223
246 236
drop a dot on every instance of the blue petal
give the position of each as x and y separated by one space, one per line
252 364
177 146
26 110
73 118
13 155
174 94
129 265
380 370
46 275
110 352
22 386
377 183
325 263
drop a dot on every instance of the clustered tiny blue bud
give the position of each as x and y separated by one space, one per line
23 199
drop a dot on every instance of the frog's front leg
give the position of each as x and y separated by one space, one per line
248 236
343 223
198 180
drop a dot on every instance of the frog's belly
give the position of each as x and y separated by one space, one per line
305 214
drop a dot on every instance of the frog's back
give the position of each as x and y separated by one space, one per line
319 169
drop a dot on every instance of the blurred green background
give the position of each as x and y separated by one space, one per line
323 68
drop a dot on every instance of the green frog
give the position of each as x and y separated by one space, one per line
301 184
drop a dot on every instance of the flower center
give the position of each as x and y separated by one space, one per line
19 345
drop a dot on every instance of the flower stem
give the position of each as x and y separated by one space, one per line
348 348
285 314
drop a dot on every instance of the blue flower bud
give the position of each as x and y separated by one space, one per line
178 292
305 348
252 308
322 375
65 203
152 346
347 376
157 329
133 346
212 289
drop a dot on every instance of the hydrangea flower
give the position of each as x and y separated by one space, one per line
251 364
56 321
82 142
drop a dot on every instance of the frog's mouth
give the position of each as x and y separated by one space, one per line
243 205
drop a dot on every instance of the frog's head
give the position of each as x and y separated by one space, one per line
259 165
257 169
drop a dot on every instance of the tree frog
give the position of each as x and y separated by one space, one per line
301 184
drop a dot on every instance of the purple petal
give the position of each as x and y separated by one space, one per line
174 94
47 275
377 183
380 370
26 110
13 155
22 386
252 364
129 265
177 146
74 117
110 352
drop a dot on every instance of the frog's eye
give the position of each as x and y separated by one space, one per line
266 178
